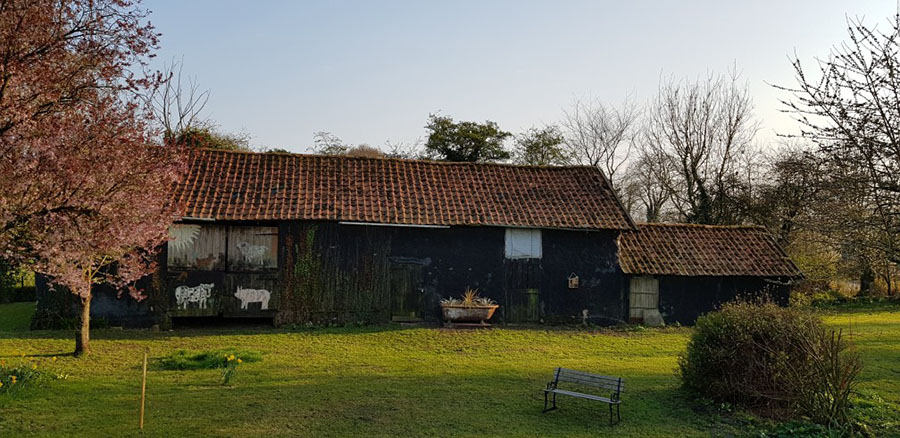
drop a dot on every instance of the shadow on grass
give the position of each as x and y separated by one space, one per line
144 334
446 405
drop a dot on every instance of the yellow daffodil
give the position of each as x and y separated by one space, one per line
34 366
231 357
12 379
53 359
240 361
1 384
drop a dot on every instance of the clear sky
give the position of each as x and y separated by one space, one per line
372 71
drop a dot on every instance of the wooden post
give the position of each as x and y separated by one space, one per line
143 390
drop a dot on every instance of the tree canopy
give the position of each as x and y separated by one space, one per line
541 147
83 192
465 141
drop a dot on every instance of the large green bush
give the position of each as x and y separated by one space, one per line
779 361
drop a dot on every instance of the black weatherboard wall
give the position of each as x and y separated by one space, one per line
684 298
379 273
327 272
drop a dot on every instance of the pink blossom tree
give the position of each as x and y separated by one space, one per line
84 191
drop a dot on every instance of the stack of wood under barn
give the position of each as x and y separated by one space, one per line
308 239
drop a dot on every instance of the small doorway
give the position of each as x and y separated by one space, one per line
643 300
407 293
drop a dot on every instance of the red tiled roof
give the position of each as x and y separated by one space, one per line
701 250
225 185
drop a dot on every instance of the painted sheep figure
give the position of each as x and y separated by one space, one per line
254 254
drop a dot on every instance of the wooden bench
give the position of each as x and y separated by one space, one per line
612 386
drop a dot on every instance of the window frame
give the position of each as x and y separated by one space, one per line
514 239
227 263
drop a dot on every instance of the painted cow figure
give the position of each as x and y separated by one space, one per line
248 296
196 294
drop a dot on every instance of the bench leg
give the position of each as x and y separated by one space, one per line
618 414
546 400
610 415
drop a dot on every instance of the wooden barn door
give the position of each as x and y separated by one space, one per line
407 293
644 297
523 294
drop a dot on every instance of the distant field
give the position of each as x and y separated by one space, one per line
387 382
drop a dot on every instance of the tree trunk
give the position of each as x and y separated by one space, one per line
83 328
866 281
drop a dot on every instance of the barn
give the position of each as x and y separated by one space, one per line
676 272
334 239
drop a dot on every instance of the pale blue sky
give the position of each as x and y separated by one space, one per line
371 71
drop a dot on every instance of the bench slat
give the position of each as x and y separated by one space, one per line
582 373
607 386
587 396
590 379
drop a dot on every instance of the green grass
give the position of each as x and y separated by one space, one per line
16 316
390 381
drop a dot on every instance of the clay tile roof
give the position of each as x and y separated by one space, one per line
224 185
703 250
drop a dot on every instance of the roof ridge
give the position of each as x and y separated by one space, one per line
405 160
688 225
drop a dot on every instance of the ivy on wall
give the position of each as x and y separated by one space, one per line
335 274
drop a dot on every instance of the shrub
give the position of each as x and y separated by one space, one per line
777 361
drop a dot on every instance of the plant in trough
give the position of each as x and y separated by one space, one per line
469 298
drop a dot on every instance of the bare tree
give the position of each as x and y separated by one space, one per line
785 198
329 144
849 106
646 191
179 103
601 135
701 130
399 149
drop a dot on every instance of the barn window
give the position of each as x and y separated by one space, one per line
196 247
211 247
252 248
523 243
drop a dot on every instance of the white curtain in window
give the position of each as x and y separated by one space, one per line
523 243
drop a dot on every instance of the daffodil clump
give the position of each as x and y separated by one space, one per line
231 364
24 372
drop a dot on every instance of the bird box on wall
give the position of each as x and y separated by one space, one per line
573 281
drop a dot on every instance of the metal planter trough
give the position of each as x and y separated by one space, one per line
468 316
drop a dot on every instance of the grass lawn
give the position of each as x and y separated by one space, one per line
388 381
15 316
